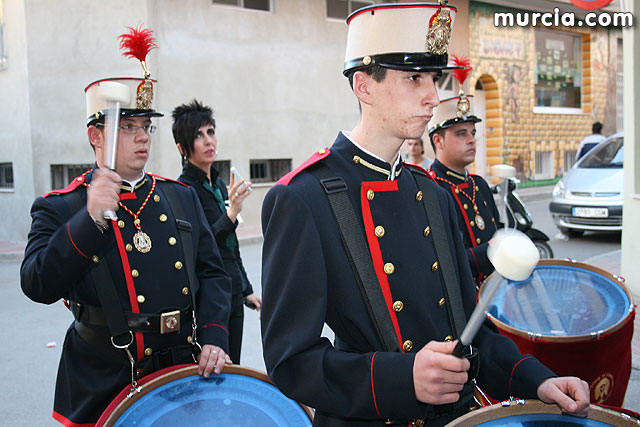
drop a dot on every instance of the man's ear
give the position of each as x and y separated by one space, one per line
438 141
362 84
95 136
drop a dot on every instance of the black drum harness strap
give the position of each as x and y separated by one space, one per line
118 323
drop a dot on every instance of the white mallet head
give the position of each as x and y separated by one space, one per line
513 254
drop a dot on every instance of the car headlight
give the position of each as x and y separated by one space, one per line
558 190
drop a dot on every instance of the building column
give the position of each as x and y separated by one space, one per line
631 211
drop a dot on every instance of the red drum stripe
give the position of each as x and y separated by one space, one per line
67 422
374 246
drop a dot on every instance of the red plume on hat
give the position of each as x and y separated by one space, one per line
461 74
137 44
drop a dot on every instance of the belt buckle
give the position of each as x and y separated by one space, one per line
170 322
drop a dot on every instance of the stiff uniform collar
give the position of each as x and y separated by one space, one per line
367 159
448 173
135 184
194 172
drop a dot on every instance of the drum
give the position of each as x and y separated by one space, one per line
533 413
576 319
178 396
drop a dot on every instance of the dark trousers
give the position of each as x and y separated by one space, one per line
236 323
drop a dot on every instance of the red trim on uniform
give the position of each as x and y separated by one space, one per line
316 157
466 218
398 6
129 195
514 369
69 188
373 391
374 245
463 185
167 179
131 289
476 261
67 422
73 243
215 324
411 165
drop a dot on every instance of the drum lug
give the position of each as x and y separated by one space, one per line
512 401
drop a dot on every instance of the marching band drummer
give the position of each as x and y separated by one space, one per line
348 243
453 139
151 281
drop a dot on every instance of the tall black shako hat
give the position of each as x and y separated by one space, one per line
134 94
458 109
401 36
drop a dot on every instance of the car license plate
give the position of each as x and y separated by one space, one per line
591 212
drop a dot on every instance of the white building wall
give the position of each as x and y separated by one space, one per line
274 80
15 138
631 213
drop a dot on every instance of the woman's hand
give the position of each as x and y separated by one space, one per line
238 191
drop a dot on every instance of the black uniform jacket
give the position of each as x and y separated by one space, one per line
307 282
63 248
220 224
477 227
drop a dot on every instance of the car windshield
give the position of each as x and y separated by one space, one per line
608 154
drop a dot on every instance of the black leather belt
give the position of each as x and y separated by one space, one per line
138 322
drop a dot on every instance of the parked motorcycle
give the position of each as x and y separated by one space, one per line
523 220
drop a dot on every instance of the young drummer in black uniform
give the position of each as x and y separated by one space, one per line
453 139
136 280
391 362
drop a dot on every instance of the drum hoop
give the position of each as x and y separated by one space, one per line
185 371
533 406
573 338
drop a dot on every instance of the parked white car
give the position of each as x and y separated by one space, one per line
590 195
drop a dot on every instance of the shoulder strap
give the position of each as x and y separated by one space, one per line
358 255
431 205
184 228
105 288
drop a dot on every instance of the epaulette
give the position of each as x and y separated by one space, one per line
77 182
420 169
162 178
316 157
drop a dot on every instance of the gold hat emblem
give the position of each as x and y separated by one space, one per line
439 33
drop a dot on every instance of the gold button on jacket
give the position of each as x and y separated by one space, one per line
435 266
389 268
379 231
419 196
370 194
441 302
134 273
148 351
172 241
178 265
407 345
185 291
398 305
141 299
448 338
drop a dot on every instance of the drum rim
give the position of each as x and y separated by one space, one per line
182 372
573 338
534 406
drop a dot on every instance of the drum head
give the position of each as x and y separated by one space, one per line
533 413
238 396
561 299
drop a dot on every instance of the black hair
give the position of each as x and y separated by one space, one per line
187 119
376 71
596 127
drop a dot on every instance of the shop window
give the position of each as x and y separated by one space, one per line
264 5
224 169
6 175
544 165
340 9
61 175
268 170
558 72
569 159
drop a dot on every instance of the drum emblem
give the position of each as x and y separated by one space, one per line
601 387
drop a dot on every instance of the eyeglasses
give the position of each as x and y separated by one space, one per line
132 129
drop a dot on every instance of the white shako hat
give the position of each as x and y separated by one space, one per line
401 36
458 109
134 94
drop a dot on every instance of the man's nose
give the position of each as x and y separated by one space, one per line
431 95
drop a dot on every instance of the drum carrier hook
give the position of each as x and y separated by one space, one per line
135 388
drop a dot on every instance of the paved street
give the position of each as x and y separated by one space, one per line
32 345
